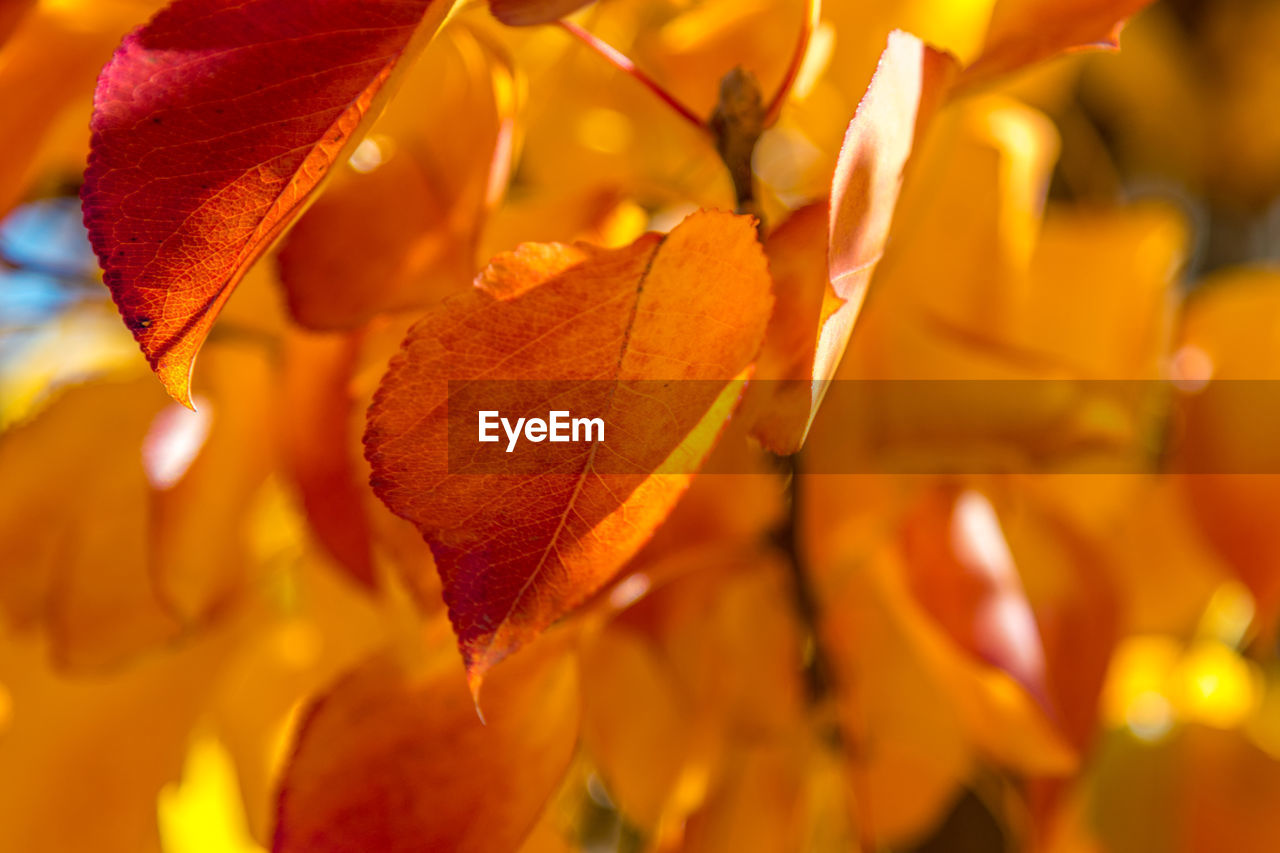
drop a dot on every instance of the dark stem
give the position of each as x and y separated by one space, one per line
825 694
737 123
788 537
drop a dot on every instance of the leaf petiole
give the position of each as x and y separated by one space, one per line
623 63
813 12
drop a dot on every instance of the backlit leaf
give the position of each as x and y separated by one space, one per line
212 126
517 551
907 88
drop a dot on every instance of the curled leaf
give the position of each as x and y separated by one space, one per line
823 257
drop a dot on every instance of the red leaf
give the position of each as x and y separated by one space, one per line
212 125
518 551
527 13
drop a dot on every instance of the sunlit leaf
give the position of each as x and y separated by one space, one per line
518 551
212 125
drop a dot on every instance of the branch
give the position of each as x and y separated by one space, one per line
737 123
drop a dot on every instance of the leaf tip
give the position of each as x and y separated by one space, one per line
176 379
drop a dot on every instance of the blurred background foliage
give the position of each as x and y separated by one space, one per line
1103 216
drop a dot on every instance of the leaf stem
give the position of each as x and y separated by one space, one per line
813 12
623 63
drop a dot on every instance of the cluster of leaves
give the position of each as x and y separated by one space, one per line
778 658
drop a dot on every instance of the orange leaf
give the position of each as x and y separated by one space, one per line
212 125
390 760
961 571
906 90
70 567
517 551
1228 333
11 14
1026 31
315 438
116 545
403 234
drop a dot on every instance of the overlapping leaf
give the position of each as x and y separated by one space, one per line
212 126
1025 31
403 234
908 87
517 551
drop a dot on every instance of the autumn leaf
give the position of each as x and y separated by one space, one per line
960 569
1025 31
86 580
316 387
699 664
907 88
517 551
11 14
392 758
1225 444
398 229
527 13
117 574
212 126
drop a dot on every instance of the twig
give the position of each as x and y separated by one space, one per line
813 14
624 64
737 123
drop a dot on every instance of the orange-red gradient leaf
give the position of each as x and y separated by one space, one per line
600 331
527 13
1026 31
212 125
395 760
